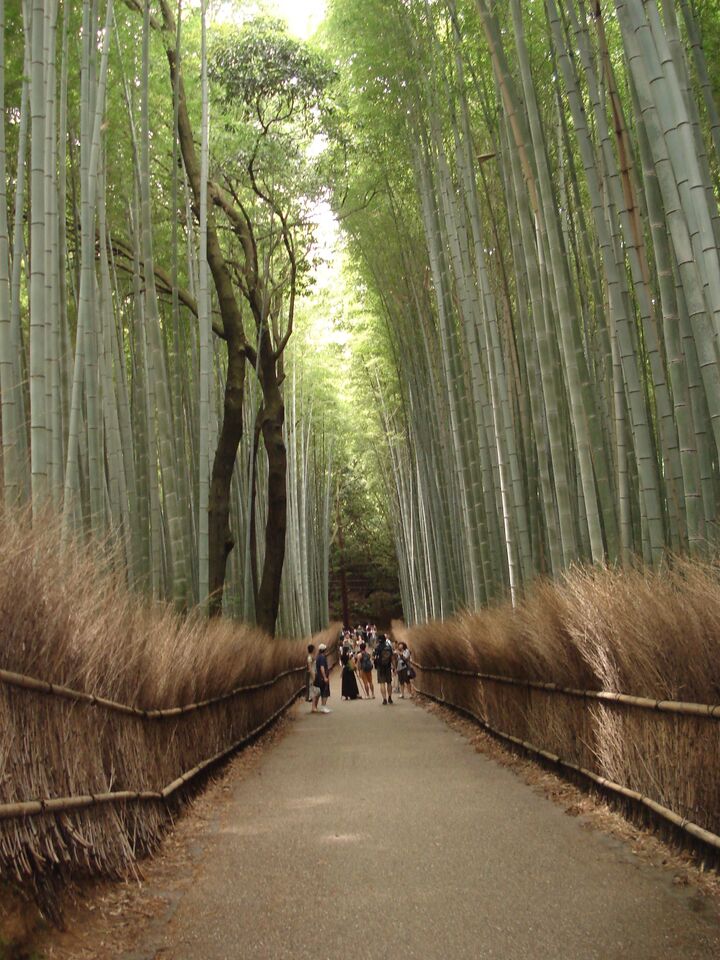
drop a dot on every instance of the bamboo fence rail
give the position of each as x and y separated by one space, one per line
89 783
30 808
706 836
52 689
608 696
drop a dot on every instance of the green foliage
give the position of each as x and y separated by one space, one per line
270 74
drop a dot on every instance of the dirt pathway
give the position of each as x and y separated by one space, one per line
379 831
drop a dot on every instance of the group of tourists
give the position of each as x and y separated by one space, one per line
362 649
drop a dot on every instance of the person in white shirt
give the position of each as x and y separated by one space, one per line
310 675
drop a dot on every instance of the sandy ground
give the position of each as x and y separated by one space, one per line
379 831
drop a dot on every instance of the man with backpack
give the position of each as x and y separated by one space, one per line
384 665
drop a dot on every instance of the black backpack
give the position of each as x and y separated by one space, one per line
385 655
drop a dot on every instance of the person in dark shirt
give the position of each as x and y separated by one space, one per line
349 684
322 679
384 661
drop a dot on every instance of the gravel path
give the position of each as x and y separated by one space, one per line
378 831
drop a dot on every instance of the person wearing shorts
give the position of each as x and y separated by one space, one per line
384 665
403 671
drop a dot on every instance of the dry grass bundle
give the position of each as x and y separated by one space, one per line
68 619
653 634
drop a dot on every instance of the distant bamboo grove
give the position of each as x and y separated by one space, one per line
113 381
549 280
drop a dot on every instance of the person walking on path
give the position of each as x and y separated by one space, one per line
310 674
365 666
404 669
396 678
349 682
322 681
384 666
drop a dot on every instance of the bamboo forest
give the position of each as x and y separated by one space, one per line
397 313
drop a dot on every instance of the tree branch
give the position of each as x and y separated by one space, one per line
123 250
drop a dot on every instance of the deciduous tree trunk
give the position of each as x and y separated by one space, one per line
221 540
267 599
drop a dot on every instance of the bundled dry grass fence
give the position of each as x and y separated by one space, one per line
613 674
94 757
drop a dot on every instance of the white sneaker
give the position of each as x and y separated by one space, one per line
325 710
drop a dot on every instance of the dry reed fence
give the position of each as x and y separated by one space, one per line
67 620
547 673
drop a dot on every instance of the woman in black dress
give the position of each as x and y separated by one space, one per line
349 681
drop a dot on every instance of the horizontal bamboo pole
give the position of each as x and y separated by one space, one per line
33 808
609 696
42 686
706 836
